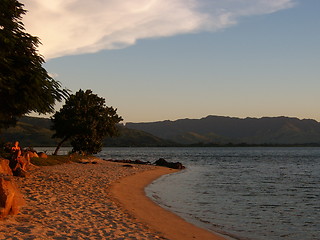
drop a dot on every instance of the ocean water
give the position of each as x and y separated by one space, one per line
245 193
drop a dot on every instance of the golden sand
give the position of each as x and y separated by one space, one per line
75 201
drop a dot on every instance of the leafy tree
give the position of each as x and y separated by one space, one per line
85 120
25 86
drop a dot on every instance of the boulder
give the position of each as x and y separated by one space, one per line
33 154
10 197
129 161
4 167
19 172
176 165
141 162
42 155
161 162
165 163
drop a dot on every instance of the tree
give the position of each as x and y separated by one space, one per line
25 86
85 120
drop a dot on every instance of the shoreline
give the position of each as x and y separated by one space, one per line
75 201
130 194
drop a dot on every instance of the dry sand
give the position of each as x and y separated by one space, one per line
74 201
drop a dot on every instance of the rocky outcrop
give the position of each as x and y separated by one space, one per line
130 161
10 197
19 165
33 154
5 168
42 155
165 163
160 162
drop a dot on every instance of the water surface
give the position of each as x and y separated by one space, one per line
249 193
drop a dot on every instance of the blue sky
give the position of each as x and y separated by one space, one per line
239 58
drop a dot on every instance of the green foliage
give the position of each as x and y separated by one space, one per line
87 144
25 85
86 121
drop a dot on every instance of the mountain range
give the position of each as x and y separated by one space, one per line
224 130
207 131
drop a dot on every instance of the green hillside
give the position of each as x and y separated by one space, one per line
136 138
32 131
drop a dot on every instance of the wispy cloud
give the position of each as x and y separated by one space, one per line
68 27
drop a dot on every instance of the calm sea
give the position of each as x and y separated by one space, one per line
246 193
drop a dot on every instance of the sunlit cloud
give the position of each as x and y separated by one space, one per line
69 27
53 75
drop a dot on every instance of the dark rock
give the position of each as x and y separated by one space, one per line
141 162
161 162
176 165
19 172
128 165
165 163
130 161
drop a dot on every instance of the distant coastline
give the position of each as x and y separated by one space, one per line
252 145
211 131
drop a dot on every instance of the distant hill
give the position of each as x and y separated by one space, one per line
30 131
224 130
211 130
33 131
136 138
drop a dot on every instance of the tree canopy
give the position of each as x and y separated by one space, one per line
85 120
25 86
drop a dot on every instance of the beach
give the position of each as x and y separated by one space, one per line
94 201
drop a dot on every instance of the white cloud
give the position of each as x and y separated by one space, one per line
54 75
68 27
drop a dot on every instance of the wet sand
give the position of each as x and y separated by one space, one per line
75 201
130 192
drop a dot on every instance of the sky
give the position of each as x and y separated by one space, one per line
158 60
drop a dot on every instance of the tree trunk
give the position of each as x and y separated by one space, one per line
59 145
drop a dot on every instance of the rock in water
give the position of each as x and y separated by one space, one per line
165 163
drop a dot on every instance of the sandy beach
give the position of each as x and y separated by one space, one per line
94 201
